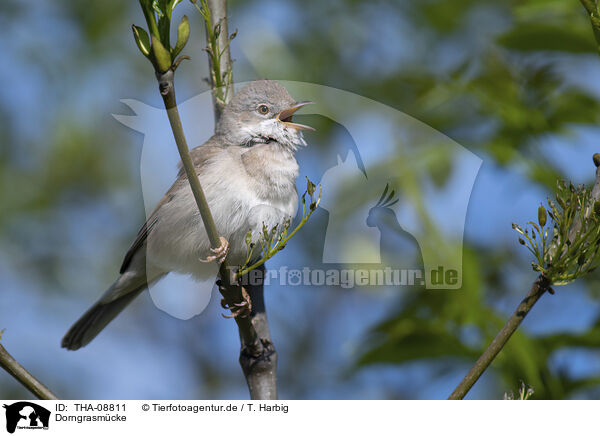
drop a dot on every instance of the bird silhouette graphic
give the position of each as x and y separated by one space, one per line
399 248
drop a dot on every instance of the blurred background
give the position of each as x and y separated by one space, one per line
512 82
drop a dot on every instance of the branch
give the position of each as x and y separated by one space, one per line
14 368
258 357
539 287
589 5
260 371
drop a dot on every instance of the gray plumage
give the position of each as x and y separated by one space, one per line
248 172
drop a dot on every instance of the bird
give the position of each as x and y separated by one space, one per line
248 172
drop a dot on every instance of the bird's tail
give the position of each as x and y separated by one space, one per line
92 322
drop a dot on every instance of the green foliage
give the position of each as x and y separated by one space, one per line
571 251
183 34
142 40
529 37
157 48
221 81
522 101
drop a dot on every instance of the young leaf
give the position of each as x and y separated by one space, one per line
141 39
310 187
183 34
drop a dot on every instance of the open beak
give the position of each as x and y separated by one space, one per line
285 116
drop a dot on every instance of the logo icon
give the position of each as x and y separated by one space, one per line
26 415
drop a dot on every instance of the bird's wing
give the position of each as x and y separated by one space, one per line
142 235
200 157
138 243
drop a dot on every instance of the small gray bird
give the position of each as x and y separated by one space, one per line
248 172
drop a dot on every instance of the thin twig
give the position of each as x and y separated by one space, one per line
539 287
231 291
591 6
33 385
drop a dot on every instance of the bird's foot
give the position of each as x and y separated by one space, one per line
220 252
242 309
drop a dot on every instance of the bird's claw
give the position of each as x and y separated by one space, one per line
220 252
238 310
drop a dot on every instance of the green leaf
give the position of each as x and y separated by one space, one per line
142 40
183 34
161 55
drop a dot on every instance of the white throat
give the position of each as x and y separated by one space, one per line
274 130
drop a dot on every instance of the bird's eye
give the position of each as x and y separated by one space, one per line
263 109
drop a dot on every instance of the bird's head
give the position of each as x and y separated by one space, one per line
261 113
